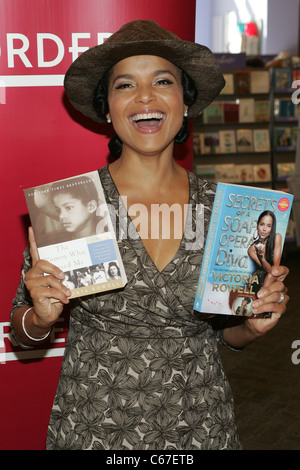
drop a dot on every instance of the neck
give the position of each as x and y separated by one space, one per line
147 170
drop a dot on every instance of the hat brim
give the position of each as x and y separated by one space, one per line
197 60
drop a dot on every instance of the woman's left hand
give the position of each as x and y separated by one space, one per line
271 298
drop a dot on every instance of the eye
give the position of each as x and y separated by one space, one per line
123 86
164 81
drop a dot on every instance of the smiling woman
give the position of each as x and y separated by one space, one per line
146 102
141 370
189 90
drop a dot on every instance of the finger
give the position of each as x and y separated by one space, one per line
43 288
48 281
277 273
274 303
276 286
33 246
42 267
272 297
42 295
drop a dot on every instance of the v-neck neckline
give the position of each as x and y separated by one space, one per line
137 238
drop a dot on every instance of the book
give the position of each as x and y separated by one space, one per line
260 81
262 173
247 110
282 79
296 74
285 138
196 143
73 229
284 110
229 84
225 173
262 111
210 142
206 172
261 140
242 81
244 141
231 274
231 111
214 113
244 173
285 170
227 141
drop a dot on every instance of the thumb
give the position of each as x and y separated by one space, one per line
33 246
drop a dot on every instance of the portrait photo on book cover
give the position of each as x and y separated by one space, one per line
265 252
67 210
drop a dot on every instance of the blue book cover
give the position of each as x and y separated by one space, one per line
245 238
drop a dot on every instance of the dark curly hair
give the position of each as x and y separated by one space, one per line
100 103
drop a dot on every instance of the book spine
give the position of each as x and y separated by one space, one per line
207 255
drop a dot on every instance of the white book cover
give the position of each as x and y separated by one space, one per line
74 231
261 140
244 140
247 110
227 141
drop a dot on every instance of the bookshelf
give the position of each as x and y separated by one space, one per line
285 125
249 134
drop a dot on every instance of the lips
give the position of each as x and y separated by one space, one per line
148 121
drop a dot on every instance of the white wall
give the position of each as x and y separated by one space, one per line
280 22
203 30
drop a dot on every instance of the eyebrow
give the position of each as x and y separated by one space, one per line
155 73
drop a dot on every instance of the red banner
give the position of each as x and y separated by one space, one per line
42 140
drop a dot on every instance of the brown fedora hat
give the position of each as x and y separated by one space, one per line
142 37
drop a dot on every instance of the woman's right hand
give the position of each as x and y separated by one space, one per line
47 292
260 250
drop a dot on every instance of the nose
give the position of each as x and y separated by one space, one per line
62 214
145 94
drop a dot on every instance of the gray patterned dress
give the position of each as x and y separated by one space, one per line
141 370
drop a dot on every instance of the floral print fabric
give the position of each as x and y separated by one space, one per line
141 370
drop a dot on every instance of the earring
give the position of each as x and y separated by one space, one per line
185 114
108 120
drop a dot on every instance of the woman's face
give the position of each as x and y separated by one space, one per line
145 99
264 227
113 271
73 214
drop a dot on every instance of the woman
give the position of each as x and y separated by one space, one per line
113 271
140 370
243 308
265 251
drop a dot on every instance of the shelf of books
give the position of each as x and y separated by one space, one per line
249 134
285 124
232 137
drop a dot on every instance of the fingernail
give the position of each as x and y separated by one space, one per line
261 293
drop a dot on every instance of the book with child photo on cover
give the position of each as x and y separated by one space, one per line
73 230
245 240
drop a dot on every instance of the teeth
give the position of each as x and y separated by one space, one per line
139 117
